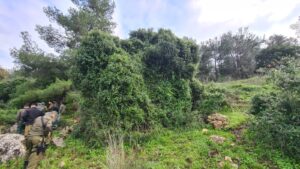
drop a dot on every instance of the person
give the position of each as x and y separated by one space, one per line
29 116
50 105
19 121
57 110
41 106
53 106
62 109
38 139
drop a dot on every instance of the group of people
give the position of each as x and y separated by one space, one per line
36 123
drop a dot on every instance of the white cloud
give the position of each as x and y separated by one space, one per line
236 13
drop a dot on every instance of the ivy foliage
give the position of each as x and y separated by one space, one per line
136 84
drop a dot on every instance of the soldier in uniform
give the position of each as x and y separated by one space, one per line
29 116
20 115
37 140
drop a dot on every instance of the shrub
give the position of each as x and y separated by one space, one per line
197 91
112 87
277 116
72 101
54 91
8 116
9 87
261 102
137 84
213 100
172 100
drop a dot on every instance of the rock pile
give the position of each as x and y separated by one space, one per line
218 120
11 146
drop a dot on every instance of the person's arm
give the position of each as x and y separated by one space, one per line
18 116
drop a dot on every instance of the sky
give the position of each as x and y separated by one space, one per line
197 19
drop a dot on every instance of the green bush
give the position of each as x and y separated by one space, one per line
277 116
72 101
54 91
9 86
8 116
172 100
128 88
29 84
197 91
213 100
261 102
113 89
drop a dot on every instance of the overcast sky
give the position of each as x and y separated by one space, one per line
198 19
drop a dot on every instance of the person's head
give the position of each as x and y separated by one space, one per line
54 103
33 105
26 106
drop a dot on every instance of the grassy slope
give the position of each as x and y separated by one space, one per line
186 148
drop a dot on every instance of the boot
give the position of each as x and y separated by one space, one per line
25 164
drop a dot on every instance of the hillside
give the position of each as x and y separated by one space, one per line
182 147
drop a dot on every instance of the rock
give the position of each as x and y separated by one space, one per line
13 129
218 120
66 131
221 164
213 153
227 158
217 139
204 131
59 142
234 165
62 164
11 146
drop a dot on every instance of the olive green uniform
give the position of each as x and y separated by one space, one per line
41 127
20 123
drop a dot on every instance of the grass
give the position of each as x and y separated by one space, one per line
186 148
238 95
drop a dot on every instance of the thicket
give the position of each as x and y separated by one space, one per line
9 87
135 88
8 116
278 113
54 91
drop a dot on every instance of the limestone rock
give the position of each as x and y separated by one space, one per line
204 131
59 142
13 129
227 158
62 164
218 120
229 161
66 131
217 139
11 146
